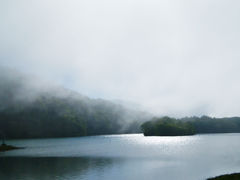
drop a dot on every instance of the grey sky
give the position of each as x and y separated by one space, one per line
172 57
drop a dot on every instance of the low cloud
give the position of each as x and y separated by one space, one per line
171 57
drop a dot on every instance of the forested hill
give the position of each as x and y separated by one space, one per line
30 108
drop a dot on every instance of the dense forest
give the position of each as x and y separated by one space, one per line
30 108
166 126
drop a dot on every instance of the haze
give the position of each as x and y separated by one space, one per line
171 57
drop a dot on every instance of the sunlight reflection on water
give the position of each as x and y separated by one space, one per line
131 156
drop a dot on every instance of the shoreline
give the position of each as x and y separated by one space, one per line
234 176
5 147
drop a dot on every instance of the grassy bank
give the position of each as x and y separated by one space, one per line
5 147
235 176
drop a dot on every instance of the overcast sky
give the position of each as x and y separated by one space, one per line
173 57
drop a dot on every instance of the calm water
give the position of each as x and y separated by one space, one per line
122 157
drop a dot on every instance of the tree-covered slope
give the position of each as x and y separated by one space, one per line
30 108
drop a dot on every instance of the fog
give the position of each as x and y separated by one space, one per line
171 57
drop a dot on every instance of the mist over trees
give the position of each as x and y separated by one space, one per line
33 109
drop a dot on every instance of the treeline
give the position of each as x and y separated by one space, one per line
206 124
31 109
167 126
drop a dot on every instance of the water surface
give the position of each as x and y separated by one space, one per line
122 157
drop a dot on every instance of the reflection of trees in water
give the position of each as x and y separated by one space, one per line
49 167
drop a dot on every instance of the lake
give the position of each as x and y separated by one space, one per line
122 157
